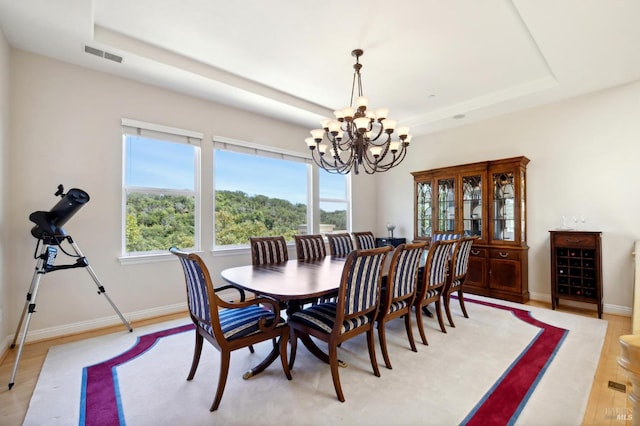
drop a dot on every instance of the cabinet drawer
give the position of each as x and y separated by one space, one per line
504 254
578 240
478 252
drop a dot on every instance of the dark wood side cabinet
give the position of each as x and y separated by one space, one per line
487 200
380 242
576 267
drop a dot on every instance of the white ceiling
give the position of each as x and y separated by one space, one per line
426 60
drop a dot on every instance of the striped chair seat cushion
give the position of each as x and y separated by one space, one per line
241 322
323 316
456 283
431 293
397 305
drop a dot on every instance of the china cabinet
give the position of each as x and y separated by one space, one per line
487 200
576 267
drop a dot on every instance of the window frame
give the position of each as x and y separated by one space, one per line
164 134
346 200
313 188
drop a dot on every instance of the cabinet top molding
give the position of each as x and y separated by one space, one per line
480 165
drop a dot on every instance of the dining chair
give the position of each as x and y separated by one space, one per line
432 282
228 325
364 240
352 314
340 244
310 247
445 236
455 281
398 292
268 250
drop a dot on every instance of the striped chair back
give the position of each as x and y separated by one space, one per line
340 244
201 297
310 246
268 250
461 257
364 240
445 236
403 272
360 285
438 262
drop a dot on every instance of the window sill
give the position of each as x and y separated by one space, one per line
145 258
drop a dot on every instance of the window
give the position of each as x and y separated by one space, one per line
334 202
258 192
160 189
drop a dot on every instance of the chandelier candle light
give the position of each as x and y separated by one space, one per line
358 137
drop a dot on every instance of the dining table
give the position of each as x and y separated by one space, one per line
292 283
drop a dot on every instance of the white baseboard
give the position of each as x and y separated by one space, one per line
625 311
79 327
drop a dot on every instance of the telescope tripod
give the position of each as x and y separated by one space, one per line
44 264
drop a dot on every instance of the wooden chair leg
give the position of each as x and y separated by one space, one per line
372 351
197 350
284 339
333 364
447 309
439 315
225 357
420 325
461 300
383 344
294 343
407 325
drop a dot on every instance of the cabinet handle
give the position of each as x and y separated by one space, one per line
573 240
503 255
475 252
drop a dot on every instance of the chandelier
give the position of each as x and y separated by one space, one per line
358 137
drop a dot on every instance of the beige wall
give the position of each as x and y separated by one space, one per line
66 130
4 184
584 156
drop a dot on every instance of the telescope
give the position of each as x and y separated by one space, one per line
48 230
49 223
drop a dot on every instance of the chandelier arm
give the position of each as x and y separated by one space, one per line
321 162
383 142
379 133
398 158
338 159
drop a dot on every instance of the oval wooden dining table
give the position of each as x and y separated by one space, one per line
291 283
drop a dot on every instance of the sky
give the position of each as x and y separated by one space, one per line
171 166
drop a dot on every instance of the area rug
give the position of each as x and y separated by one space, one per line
506 364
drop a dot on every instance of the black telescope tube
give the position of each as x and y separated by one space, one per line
49 224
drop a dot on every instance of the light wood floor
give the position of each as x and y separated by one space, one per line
604 403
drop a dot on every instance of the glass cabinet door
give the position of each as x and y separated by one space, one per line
504 198
424 209
472 205
446 205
